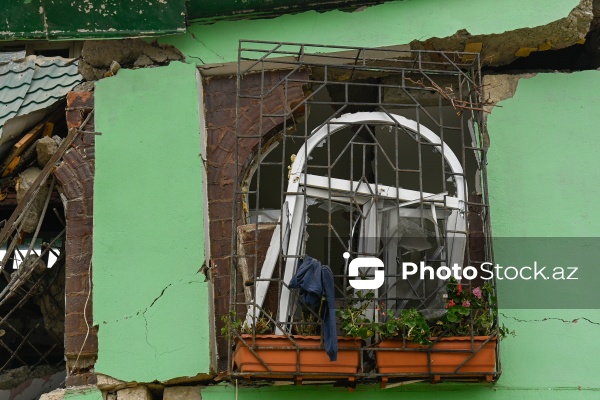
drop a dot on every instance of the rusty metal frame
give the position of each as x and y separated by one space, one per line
418 74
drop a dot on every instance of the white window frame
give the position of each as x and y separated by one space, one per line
301 185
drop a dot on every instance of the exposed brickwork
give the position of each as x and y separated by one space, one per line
81 379
76 175
220 105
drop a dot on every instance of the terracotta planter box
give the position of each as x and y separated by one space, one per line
283 361
482 364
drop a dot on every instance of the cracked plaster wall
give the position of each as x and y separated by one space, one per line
534 25
541 165
150 301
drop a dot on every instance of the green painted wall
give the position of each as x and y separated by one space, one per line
150 301
387 24
544 157
542 166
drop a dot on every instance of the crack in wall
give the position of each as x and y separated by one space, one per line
145 310
573 321
146 335
159 296
204 45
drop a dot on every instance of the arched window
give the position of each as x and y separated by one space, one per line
384 157
390 222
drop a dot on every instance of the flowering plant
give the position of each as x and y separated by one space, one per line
469 311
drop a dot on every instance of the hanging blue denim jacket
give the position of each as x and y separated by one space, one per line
316 281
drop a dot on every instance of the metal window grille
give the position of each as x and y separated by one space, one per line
383 154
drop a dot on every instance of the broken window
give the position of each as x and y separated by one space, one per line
383 157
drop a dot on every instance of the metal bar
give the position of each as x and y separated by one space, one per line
337 80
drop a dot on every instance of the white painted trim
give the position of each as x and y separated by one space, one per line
363 189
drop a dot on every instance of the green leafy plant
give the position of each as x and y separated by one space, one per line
410 324
352 318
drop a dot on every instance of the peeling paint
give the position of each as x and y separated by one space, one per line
501 87
65 19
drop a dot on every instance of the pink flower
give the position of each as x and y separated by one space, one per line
451 303
477 292
459 288
466 303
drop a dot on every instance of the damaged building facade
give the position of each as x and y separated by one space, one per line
177 177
